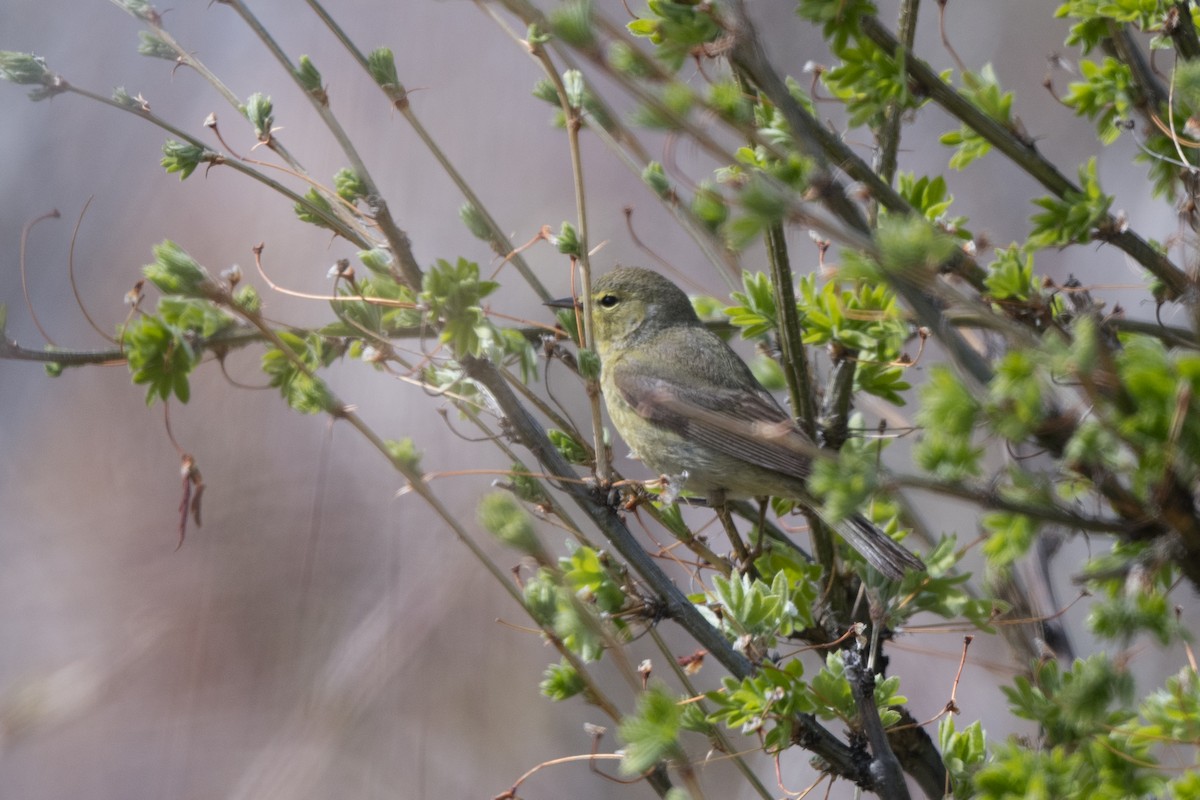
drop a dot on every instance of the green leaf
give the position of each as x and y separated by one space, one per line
1105 95
473 218
382 66
963 753
315 210
656 179
502 516
149 44
568 447
1074 218
542 597
176 272
587 574
567 240
561 681
309 77
297 382
159 356
24 69
184 158
453 293
571 22
405 453
260 112
349 185
1010 276
651 732
755 313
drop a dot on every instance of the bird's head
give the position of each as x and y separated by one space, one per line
630 304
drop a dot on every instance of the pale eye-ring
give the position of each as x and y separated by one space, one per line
609 300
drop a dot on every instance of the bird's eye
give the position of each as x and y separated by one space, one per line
609 300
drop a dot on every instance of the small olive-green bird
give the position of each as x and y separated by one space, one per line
690 408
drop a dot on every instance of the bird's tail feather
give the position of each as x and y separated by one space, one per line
880 550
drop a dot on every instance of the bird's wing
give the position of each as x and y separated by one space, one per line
740 422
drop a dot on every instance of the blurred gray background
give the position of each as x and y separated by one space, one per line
319 635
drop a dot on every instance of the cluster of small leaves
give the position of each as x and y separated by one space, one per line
1094 17
983 89
1161 420
1073 218
1161 153
948 413
963 753
675 101
1104 95
940 590
293 371
571 22
1010 277
582 98
349 185
579 600
382 66
159 356
26 69
261 113
570 448
552 607
1090 744
315 209
771 699
1173 712
710 207
175 272
729 100
309 77
405 453
152 46
184 157
164 347
651 732
864 320
846 484
1145 429
762 612
384 308
502 516
1136 602
768 700
453 294
755 313
561 681
868 82
838 18
676 29
763 203
931 198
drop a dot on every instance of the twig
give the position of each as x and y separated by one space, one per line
25 229
885 767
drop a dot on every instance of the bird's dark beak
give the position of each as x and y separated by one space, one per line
564 302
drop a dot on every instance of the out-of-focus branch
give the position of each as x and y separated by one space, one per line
1024 154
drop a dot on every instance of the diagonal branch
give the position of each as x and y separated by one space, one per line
810 733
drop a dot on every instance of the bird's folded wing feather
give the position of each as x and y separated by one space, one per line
738 422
